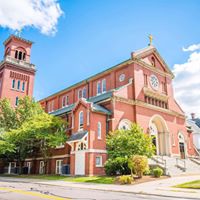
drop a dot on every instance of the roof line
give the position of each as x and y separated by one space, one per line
20 38
85 80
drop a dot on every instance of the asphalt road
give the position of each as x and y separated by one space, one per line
31 191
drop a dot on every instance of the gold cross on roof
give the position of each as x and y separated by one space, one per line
150 39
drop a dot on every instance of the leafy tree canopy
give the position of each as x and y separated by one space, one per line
27 128
126 143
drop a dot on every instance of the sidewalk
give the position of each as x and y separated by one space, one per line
161 187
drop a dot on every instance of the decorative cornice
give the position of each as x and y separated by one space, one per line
18 66
155 94
146 105
18 38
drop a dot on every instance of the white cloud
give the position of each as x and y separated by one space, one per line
40 14
193 47
187 83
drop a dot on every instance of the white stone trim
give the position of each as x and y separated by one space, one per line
52 157
92 151
88 117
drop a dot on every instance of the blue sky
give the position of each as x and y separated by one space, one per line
93 35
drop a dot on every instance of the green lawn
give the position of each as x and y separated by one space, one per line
86 179
190 185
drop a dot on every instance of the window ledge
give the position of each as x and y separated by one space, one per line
99 166
16 90
60 147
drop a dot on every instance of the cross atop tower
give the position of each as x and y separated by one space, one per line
18 33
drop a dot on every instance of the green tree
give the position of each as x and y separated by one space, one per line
126 143
8 117
122 145
32 130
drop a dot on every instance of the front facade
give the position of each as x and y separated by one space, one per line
137 90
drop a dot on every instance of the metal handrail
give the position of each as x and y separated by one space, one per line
178 165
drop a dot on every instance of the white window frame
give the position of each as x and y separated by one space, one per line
98 87
103 86
10 167
41 168
13 83
16 101
81 120
23 86
99 130
18 85
84 95
50 106
100 164
59 164
28 164
67 100
80 92
63 101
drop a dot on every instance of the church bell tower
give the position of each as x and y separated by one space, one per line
16 71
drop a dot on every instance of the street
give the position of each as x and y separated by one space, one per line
10 190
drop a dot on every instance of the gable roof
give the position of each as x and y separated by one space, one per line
139 54
101 109
92 100
77 136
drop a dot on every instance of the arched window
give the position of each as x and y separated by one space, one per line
16 54
24 56
63 101
99 130
13 83
84 93
153 62
7 53
98 87
18 85
104 85
81 120
20 55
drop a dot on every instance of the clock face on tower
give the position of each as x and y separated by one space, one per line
154 82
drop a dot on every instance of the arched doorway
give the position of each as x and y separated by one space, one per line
181 145
160 135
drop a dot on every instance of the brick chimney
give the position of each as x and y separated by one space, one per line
193 115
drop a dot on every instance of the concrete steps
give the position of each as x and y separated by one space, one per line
176 167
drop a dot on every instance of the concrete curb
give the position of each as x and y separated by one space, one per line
100 189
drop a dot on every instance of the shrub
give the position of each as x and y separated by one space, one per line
125 179
147 172
140 165
117 166
157 172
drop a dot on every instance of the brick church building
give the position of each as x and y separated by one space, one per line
136 90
